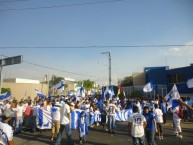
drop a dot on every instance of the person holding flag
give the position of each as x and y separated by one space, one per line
177 116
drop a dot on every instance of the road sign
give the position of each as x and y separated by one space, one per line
11 60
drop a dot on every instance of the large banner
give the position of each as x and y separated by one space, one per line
44 120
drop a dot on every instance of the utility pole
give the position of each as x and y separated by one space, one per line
1 68
109 56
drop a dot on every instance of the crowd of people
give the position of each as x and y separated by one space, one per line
146 121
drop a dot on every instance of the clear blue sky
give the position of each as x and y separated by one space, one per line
127 22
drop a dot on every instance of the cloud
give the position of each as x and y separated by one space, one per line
179 51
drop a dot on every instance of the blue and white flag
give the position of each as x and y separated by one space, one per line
148 87
44 119
175 103
5 96
60 85
75 114
39 93
92 92
123 115
190 83
172 95
80 92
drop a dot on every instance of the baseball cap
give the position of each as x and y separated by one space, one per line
7 113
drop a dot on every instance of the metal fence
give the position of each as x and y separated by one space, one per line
158 89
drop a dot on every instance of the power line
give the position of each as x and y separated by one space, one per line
64 5
4 1
48 67
96 46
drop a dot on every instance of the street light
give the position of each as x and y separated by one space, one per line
109 56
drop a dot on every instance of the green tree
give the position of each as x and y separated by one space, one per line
128 81
88 84
4 90
135 94
55 80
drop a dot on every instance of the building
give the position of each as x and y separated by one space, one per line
138 78
169 77
163 79
22 88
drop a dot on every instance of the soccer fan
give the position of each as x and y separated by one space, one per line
6 131
136 125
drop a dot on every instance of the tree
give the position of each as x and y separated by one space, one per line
88 84
4 90
55 80
135 94
128 81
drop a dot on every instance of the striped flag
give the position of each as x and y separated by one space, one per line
5 96
60 85
39 93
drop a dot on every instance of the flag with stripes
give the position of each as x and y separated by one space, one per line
39 94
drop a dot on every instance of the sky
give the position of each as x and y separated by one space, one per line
85 23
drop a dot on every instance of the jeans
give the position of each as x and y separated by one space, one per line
12 122
164 117
33 123
111 122
68 133
189 113
19 124
150 135
138 140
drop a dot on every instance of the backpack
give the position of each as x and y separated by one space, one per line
180 112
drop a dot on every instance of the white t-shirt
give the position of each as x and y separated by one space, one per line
7 106
6 133
25 106
175 113
87 106
137 120
55 112
14 112
111 109
65 109
48 107
158 115
19 111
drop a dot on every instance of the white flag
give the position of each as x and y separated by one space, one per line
172 95
148 87
190 83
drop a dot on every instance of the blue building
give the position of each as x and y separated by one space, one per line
165 76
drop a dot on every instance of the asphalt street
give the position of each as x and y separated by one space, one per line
97 136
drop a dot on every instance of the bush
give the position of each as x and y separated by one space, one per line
4 90
136 94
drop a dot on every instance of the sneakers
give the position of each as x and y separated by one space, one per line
180 136
52 139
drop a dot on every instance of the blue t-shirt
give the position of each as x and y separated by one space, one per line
163 107
100 104
150 121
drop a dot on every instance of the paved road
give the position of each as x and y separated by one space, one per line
99 137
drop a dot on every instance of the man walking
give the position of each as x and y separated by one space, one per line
151 127
64 124
136 125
